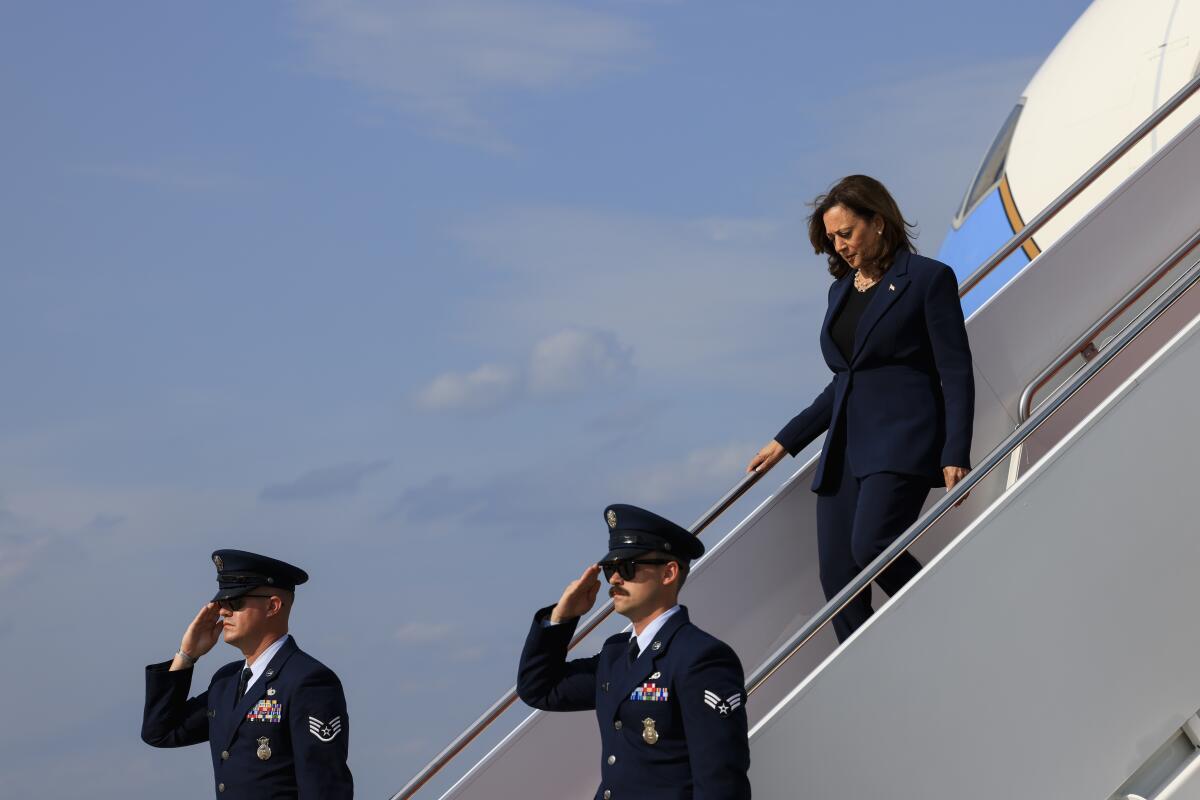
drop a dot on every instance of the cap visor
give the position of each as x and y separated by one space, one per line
232 592
626 552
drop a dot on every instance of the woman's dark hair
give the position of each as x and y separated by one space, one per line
866 197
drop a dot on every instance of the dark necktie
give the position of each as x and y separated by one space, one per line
243 682
633 650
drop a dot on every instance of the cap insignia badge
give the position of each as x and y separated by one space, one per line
611 516
219 563
649 734
264 748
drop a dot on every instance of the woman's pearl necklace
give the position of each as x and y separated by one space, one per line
862 283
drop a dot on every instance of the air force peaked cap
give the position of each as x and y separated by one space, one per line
634 531
238 572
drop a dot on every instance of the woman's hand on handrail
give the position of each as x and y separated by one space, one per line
769 456
953 475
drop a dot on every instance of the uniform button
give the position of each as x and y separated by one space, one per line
612 760
617 724
220 787
607 794
224 754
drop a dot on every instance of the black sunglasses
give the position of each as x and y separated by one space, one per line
238 603
627 567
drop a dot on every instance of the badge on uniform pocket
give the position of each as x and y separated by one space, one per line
649 732
266 711
264 748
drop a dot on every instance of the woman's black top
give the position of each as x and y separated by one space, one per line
845 325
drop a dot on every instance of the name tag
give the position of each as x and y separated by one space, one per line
650 693
266 711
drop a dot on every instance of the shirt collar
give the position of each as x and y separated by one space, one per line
650 631
260 664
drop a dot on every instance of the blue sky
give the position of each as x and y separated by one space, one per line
406 293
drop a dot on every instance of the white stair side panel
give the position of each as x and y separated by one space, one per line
1047 652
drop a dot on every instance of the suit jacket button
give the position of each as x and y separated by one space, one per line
220 787
617 724
612 760
608 794
224 754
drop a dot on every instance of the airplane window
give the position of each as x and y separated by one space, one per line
992 168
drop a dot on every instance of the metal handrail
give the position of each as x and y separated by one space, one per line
497 708
1076 188
591 623
960 490
1085 344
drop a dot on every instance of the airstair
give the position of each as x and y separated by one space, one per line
1045 650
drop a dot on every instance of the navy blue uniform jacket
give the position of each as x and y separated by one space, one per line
698 710
297 705
905 402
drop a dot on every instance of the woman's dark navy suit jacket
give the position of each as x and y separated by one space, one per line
906 400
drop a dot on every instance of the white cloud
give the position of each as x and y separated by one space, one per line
17 553
442 60
486 387
572 360
334 481
735 300
106 522
22 541
706 471
698 299
567 362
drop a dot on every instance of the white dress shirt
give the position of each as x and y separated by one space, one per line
646 638
648 633
260 664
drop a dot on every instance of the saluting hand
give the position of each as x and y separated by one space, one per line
769 456
579 596
204 631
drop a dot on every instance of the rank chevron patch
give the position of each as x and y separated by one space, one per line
325 731
723 707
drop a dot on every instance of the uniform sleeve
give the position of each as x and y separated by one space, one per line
713 705
809 423
952 357
320 729
545 679
169 718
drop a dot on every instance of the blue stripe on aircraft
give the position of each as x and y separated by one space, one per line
983 232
